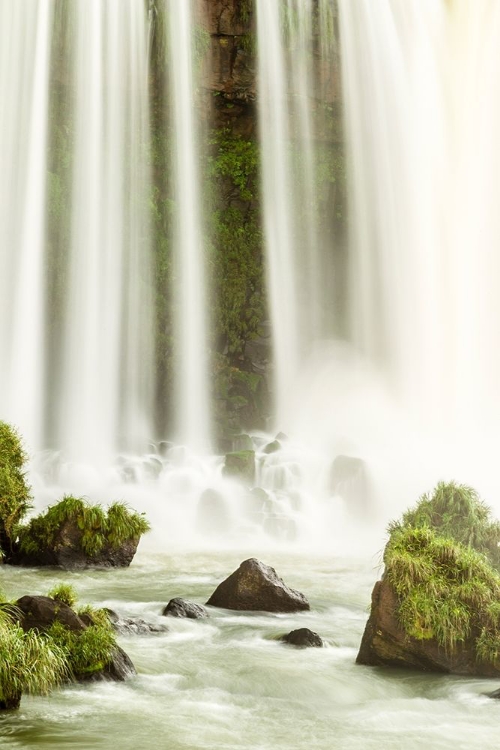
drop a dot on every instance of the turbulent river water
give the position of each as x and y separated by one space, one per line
228 683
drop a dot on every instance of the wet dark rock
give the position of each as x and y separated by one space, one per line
240 465
495 694
182 608
273 447
212 513
385 643
66 552
257 587
303 638
349 480
119 669
137 626
40 612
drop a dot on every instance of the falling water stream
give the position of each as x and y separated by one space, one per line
411 388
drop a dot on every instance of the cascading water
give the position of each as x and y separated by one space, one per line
106 377
298 261
24 75
191 328
424 284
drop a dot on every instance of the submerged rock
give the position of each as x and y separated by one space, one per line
349 480
257 587
303 638
137 626
182 608
240 465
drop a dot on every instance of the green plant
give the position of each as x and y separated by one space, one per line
97 527
65 593
29 663
15 494
439 560
456 511
86 651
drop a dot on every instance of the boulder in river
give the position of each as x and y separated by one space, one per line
303 638
182 608
240 465
257 587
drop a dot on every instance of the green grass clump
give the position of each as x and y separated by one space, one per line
15 494
97 527
64 593
457 512
442 571
29 663
86 651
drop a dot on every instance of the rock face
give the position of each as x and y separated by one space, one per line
182 608
66 552
257 587
303 638
385 643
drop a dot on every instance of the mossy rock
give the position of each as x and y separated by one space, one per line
437 607
240 465
75 534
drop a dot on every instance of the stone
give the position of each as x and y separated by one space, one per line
349 480
137 626
385 643
257 587
303 638
119 669
273 447
40 612
240 465
66 552
495 695
183 608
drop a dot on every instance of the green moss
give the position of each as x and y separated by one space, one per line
438 559
98 528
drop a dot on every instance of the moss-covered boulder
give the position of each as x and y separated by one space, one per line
257 587
44 641
240 465
437 607
75 534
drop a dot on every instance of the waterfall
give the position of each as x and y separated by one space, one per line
422 118
191 394
103 391
297 254
24 74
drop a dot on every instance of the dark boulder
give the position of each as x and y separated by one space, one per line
119 669
66 552
303 638
495 695
182 608
273 447
257 587
40 612
136 626
240 465
349 480
385 643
